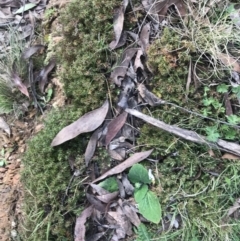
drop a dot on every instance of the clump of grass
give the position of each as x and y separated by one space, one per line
11 62
213 36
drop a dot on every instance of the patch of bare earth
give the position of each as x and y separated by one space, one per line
14 146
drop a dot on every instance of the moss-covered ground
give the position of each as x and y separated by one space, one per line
83 57
191 183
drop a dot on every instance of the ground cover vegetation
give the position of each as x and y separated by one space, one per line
188 65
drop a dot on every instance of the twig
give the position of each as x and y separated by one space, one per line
187 134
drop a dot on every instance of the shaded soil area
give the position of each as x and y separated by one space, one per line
14 146
10 187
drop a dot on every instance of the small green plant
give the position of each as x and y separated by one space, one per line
148 203
142 233
49 13
3 161
110 184
45 99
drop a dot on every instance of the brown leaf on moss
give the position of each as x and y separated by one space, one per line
87 123
91 147
148 96
114 126
80 229
120 71
118 19
144 36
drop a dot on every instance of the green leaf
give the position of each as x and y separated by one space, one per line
142 233
110 184
208 101
150 207
212 133
138 173
26 7
2 162
49 94
140 193
233 119
236 90
223 88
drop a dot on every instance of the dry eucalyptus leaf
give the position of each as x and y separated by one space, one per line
230 156
95 237
228 106
118 19
87 123
120 71
144 36
114 127
80 229
43 76
125 226
28 52
128 187
106 198
135 158
148 96
4 126
234 208
98 189
115 155
91 147
131 214
19 84
138 62
96 203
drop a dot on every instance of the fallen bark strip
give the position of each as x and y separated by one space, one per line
186 134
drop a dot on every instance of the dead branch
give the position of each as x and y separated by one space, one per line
187 134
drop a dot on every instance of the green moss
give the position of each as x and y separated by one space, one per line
83 56
169 58
194 185
45 177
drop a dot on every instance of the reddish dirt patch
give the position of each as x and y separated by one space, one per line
11 192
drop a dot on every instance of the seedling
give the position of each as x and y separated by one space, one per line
3 161
148 203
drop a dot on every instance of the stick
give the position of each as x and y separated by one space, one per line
186 134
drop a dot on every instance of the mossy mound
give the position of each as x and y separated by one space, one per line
84 53
83 56
45 178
